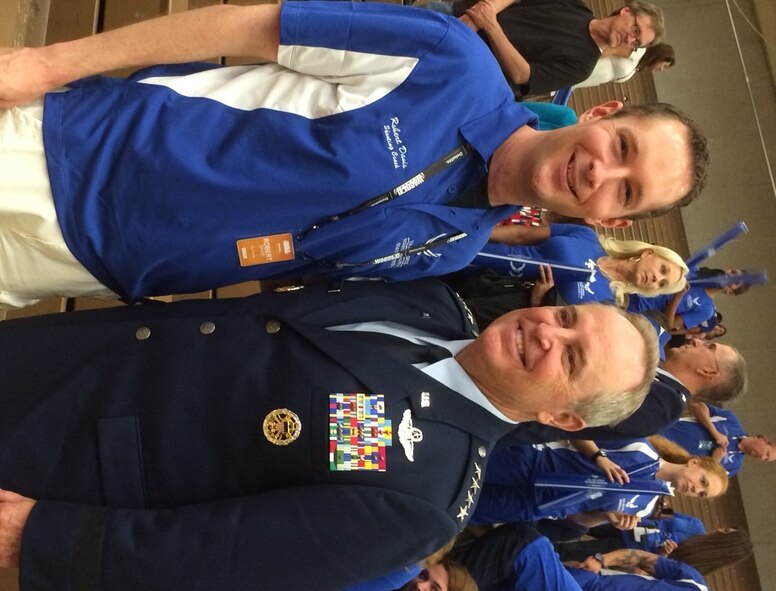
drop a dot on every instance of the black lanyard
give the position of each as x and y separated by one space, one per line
458 154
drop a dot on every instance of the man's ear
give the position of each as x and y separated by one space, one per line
609 222
600 111
566 420
708 372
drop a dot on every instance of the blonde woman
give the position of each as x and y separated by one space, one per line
615 268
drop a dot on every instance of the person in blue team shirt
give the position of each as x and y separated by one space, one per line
616 267
509 493
695 307
192 176
516 557
718 433
660 534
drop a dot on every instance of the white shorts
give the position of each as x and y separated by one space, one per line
34 259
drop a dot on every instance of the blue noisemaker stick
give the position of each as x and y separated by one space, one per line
584 273
747 277
593 486
712 247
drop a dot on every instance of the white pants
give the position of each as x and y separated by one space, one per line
34 259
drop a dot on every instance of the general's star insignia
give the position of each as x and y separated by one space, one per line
463 511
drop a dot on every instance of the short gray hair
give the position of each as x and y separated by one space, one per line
610 408
639 7
732 384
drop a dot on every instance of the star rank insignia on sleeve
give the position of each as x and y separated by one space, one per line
471 494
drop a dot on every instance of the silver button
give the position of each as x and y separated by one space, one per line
272 327
143 333
207 327
483 451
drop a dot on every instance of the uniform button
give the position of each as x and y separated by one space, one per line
483 451
143 333
452 189
207 327
272 327
426 315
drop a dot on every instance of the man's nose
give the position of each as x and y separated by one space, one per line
602 171
696 342
548 335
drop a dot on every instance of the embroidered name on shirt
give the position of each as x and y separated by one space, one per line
393 141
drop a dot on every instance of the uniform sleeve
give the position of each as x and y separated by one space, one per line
316 537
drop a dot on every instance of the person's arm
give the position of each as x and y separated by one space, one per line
674 320
14 512
700 412
483 15
612 470
618 519
632 561
542 285
517 235
28 73
251 542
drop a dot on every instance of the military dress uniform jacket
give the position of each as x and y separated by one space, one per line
140 433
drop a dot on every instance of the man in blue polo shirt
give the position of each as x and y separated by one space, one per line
334 158
717 432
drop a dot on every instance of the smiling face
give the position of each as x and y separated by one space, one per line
758 447
606 169
652 272
433 578
534 363
694 481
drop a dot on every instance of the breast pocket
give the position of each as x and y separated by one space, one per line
121 464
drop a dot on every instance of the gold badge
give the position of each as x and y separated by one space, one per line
281 426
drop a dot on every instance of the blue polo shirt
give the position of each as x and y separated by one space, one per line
696 305
694 437
569 244
156 178
670 575
651 534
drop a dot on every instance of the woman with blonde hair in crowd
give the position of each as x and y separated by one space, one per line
615 268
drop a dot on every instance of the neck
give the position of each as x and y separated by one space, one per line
667 470
506 168
688 378
598 31
616 269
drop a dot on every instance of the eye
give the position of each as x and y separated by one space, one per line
623 146
564 317
663 283
663 270
423 575
571 361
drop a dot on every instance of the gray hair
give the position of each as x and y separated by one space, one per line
610 408
639 7
731 384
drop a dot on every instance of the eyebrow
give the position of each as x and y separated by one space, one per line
637 195
581 358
